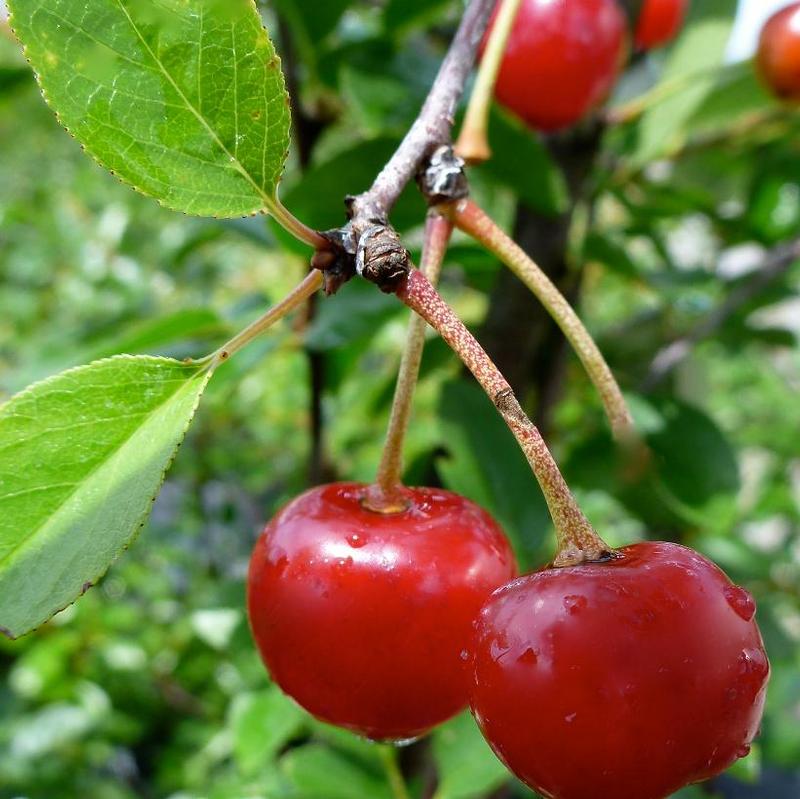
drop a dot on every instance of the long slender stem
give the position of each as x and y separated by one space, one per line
298 295
438 231
391 768
468 217
473 142
291 224
577 540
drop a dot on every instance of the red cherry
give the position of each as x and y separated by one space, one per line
778 57
364 618
561 61
659 22
625 679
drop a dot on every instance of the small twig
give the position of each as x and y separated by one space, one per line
435 121
670 356
367 242
297 296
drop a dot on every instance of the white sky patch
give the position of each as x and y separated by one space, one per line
752 16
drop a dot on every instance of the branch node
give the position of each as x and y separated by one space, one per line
381 258
338 262
442 178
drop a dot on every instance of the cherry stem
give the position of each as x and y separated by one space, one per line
577 540
291 224
386 494
467 216
296 297
388 756
473 141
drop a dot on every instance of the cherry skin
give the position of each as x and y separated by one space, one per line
778 57
628 678
561 61
364 618
659 22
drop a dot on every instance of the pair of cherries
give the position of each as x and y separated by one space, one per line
563 58
627 678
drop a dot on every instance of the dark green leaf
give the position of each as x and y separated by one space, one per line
357 311
521 161
694 459
486 464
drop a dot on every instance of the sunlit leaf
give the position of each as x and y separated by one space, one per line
691 65
82 456
183 99
467 767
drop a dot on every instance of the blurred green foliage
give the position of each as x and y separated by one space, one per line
149 685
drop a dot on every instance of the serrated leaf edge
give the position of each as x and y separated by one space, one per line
140 522
269 202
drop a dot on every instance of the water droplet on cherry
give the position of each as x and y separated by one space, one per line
743 751
356 541
403 742
740 600
529 656
574 603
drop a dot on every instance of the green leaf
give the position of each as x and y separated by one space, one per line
694 458
320 773
691 65
311 21
82 456
521 161
606 249
166 335
467 767
403 14
318 199
357 313
486 465
183 99
262 723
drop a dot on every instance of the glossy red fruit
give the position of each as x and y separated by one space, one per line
659 22
562 59
778 57
624 679
364 618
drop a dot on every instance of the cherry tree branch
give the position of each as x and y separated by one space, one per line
434 124
368 245
670 356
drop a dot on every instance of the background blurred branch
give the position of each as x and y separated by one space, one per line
670 356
